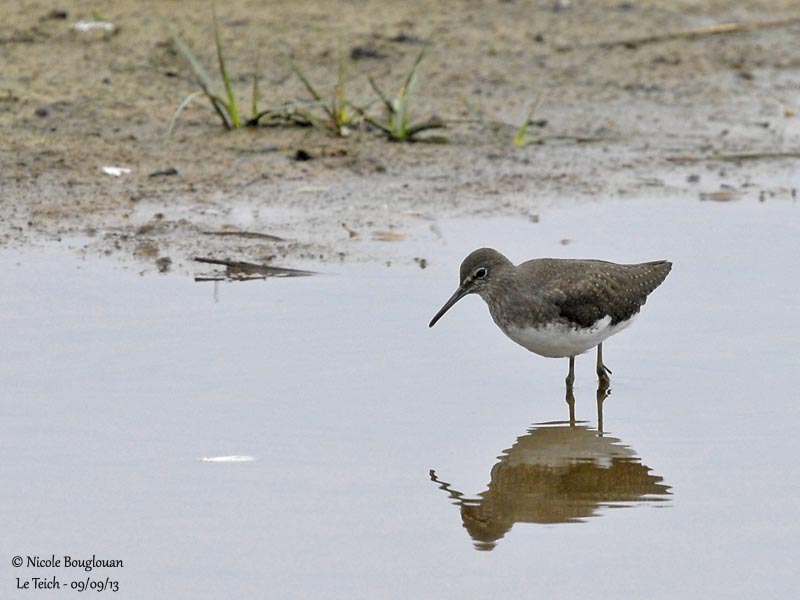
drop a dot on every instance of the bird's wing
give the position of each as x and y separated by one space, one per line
607 290
583 306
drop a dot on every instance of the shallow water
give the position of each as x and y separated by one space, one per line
116 387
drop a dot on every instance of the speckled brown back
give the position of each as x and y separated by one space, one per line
582 292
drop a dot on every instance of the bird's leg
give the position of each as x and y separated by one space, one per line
571 375
602 371
602 393
571 403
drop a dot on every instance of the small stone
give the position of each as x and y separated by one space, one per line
168 172
163 263
362 52
405 38
56 15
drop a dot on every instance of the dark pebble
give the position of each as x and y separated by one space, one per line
164 172
57 15
405 38
362 52
164 263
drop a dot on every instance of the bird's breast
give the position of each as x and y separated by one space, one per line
561 339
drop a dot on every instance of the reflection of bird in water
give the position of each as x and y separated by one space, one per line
556 473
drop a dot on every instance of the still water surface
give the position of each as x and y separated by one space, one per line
395 461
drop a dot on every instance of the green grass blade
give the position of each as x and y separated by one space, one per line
312 120
226 80
408 84
339 108
382 126
432 124
255 97
199 72
405 94
311 89
222 110
329 110
372 121
519 139
381 95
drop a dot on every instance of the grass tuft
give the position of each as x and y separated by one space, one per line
334 114
225 104
338 116
522 138
398 125
228 111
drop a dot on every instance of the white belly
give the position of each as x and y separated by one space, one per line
561 340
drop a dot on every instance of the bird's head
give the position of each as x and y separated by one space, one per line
478 271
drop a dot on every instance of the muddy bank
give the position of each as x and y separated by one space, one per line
663 119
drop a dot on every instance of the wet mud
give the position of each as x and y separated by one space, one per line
710 116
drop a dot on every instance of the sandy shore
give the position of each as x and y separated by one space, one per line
661 118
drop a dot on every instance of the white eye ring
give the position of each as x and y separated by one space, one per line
481 272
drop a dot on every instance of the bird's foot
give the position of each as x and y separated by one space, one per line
601 368
603 373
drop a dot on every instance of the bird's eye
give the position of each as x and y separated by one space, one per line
481 273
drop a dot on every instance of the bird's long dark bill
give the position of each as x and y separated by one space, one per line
460 293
